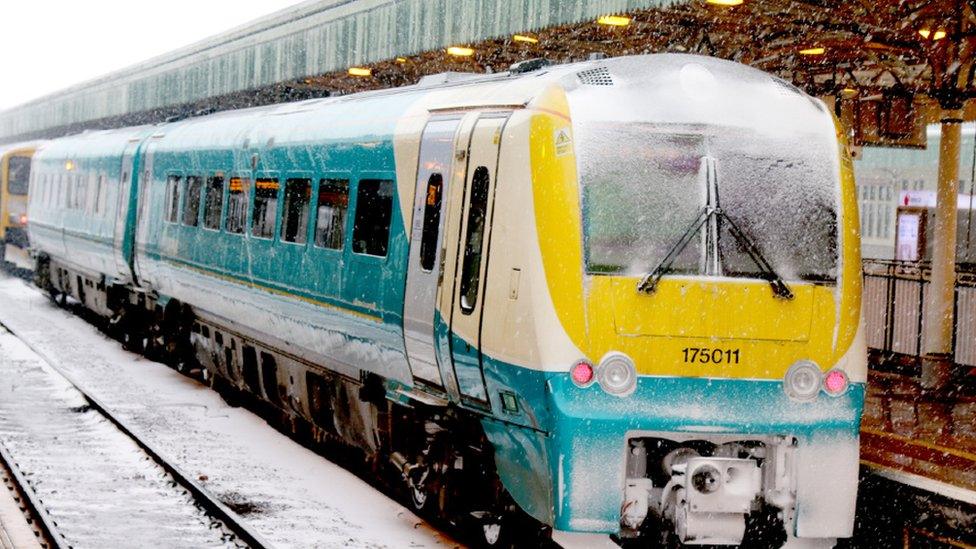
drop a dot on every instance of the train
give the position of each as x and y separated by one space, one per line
616 299
15 164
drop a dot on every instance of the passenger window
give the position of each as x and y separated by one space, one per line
81 198
172 198
330 214
191 204
103 197
471 267
432 221
213 204
374 207
237 205
97 199
294 223
265 208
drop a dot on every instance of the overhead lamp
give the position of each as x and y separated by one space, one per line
401 59
938 35
614 20
524 38
724 2
813 51
460 51
360 71
925 33
849 92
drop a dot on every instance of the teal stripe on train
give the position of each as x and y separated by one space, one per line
585 468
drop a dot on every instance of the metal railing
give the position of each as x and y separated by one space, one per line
894 308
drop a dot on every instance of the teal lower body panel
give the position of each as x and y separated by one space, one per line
571 473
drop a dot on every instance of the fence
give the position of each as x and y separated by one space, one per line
894 308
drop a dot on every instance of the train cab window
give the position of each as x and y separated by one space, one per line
294 221
432 221
374 209
18 175
330 213
471 266
265 208
213 204
191 203
172 198
237 205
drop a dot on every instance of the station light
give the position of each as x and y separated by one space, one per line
525 38
460 51
849 92
925 33
401 59
813 51
614 20
360 71
724 2
938 35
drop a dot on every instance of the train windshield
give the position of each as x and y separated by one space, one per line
18 174
643 189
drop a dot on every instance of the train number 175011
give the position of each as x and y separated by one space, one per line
705 355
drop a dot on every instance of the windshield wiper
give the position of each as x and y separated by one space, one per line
649 282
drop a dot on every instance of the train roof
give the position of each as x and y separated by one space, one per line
372 116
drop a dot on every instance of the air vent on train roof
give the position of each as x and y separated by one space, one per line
599 76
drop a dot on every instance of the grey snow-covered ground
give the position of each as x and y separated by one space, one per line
288 494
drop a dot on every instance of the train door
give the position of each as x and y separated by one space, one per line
471 258
119 243
420 317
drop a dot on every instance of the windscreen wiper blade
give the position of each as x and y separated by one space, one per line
649 283
780 289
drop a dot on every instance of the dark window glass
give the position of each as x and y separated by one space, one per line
294 221
103 197
213 202
191 203
81 191
18 174
172 198
330 214
471 266
432 221
237 205
374 208
265 208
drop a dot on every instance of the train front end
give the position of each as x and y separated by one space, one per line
715 305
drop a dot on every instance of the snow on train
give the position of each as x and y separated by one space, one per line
625 291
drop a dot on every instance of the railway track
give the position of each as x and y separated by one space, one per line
33 468
43 525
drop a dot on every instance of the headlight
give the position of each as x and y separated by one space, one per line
803 380
616 374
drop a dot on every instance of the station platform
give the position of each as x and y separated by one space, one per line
921 438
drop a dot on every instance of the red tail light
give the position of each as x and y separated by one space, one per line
582 373
23 219
835 382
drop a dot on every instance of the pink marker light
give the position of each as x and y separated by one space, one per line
835 382
582 373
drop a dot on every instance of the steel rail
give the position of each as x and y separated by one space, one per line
38 516
203 498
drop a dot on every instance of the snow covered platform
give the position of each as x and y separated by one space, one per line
290 495
926 440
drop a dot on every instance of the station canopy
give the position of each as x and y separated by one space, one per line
888 67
